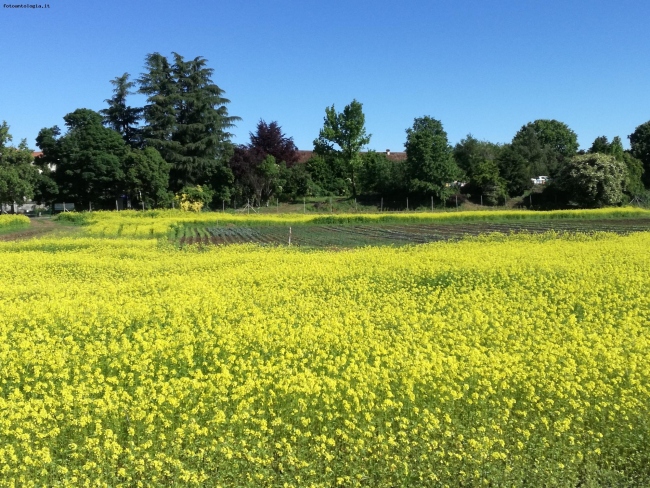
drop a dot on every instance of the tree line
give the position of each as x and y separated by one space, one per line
178 148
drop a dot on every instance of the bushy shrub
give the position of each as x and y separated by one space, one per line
193 198
592 180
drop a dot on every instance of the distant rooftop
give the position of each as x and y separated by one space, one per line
303 156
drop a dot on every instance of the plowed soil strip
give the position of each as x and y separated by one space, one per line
345 236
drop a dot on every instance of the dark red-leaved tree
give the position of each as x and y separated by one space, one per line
269 139
256 165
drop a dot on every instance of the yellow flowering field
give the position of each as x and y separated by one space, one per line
496 361
13 222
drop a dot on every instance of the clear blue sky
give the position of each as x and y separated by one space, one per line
480 67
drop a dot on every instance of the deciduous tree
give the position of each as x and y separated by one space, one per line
600 145
147 177
268 139
545 145
344 135
88 158
429 159
381 176
258 166
257 177
470 152
593 180
515 169
634 181
640 148
478 160
18 176
487 181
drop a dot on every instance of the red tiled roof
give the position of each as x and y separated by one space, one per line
36 154
304 156
396 156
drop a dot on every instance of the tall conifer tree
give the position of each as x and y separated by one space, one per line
186 119
159 113
121 117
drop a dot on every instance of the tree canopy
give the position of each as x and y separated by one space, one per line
344 135
640 148
258 166
381 176
186 118
593 180
18 177
545 145
119 116
470 152
634 180
147 177
180 141
88 159
268 139
431 168
479 161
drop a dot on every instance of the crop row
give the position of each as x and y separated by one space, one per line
352 235
161 223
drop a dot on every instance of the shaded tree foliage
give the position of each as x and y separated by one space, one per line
486 180
88 160
515 169
147 177
430 164
634 186
470 152
543 146
257 177
381 176
18 177
46 190
328 172
640 148
478 160
159 113
297 182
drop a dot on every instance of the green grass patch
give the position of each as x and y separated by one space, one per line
11 223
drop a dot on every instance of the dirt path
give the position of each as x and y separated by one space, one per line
38 228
